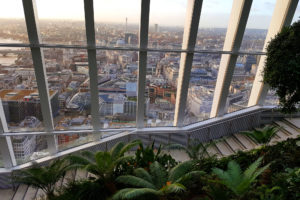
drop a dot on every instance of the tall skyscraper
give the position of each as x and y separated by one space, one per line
156 28
126 26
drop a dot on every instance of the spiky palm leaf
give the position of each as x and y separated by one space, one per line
136 193
262 136
236 180
102 164
159 174
135 182
181 169
157 181
43 177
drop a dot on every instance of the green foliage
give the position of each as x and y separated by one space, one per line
83 190
104 165
43 177
265 193
236 180
157 182
282 67
289 182
118 176
195 150
262 136
144 157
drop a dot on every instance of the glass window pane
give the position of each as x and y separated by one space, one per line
201 87
297 14
28 148
117 22
257 25
1 161
12 22
242 81
166 25
213 24
161 87
117 84
68 75
271 99
62 22
67 141
18 90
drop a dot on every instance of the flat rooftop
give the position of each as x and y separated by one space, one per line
17 95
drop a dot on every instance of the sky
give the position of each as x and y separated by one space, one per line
215 13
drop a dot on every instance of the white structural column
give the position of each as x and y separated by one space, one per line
93 72
144 27
282 16
31 19
235 31
6 148
186 60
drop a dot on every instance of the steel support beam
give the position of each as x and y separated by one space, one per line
282 16
6 147
31 19
235 32
93 71
143 40
186 60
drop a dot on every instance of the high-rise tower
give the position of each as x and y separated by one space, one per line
126 26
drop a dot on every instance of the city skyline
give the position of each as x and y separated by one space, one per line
215 13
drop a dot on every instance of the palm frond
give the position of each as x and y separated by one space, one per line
123 159
193 175
175 188
181 169
135 182
129 146
142 173
104 160
236 180
159 174
116 149
78 160
262 136
135 193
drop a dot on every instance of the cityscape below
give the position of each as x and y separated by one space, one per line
68 79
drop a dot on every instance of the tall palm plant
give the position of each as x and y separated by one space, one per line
195 150
103 165
157 183
43 177
237 181
262 136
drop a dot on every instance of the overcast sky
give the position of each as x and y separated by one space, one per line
215 13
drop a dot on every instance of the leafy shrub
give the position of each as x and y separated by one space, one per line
144 157
282 67
157 182
237 181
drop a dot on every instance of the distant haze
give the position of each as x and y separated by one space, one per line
215 13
